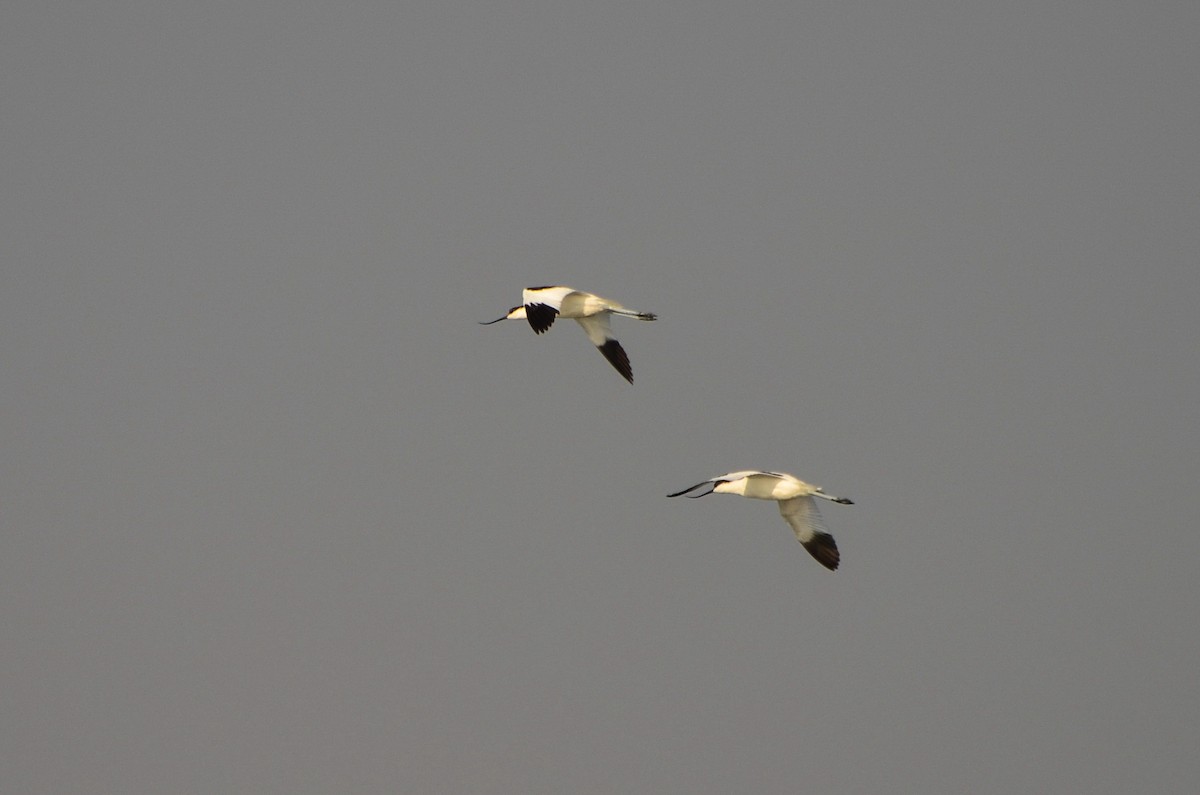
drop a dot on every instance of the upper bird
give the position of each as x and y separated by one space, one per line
796 503
543 304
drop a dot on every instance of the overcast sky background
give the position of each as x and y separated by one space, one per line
278 516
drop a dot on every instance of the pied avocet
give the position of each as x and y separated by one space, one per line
796 503
543 304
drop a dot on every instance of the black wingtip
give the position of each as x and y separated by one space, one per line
824 549
844 500
617 357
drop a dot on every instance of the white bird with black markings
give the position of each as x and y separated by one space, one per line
796 503
543 304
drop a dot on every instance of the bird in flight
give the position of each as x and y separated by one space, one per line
796 503
541 305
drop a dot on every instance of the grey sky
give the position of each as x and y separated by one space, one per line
277 516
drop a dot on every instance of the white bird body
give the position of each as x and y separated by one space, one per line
796 504
543 304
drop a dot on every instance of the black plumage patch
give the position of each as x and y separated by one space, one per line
617 357
823 548
540 316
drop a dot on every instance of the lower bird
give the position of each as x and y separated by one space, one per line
541 305
796 503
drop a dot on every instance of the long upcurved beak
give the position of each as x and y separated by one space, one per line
692 488
507 315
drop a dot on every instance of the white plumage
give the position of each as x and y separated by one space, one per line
796 503
541 305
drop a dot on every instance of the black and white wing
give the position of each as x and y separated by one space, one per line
542 305
802 514
599 331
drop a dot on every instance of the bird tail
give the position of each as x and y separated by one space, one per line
635 314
